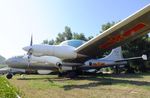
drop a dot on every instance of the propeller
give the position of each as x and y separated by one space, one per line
31 42
29 53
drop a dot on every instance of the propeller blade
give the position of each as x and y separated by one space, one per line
31 42
30 50
29 53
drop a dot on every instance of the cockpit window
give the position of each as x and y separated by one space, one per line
74 43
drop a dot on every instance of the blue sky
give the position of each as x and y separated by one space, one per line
46 18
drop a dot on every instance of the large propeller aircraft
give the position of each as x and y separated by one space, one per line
76 54
47 64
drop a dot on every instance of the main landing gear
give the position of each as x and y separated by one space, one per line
68 74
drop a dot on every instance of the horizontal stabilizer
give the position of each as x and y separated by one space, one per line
144 57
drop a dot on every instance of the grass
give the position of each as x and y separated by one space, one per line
108 86
45 85
7 90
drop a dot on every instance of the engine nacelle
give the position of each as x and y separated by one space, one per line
49 60
67 52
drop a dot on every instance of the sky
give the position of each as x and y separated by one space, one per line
44 19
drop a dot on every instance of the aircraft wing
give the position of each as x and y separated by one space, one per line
126 30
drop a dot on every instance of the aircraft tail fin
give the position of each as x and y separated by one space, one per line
116 54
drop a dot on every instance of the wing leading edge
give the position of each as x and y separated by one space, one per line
128 29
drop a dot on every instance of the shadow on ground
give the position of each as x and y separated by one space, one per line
98 81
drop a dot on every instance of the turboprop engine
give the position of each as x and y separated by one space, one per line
59 51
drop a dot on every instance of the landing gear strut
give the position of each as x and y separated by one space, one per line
69 74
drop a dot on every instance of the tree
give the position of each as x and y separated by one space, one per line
50 42
67 35
107 26
60 38
45 41
80 36
90 37
136 48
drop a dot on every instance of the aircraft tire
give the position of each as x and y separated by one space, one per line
9 76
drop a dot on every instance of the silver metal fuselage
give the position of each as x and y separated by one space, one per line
22 63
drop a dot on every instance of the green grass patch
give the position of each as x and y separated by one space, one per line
49 85
7 90
45 85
